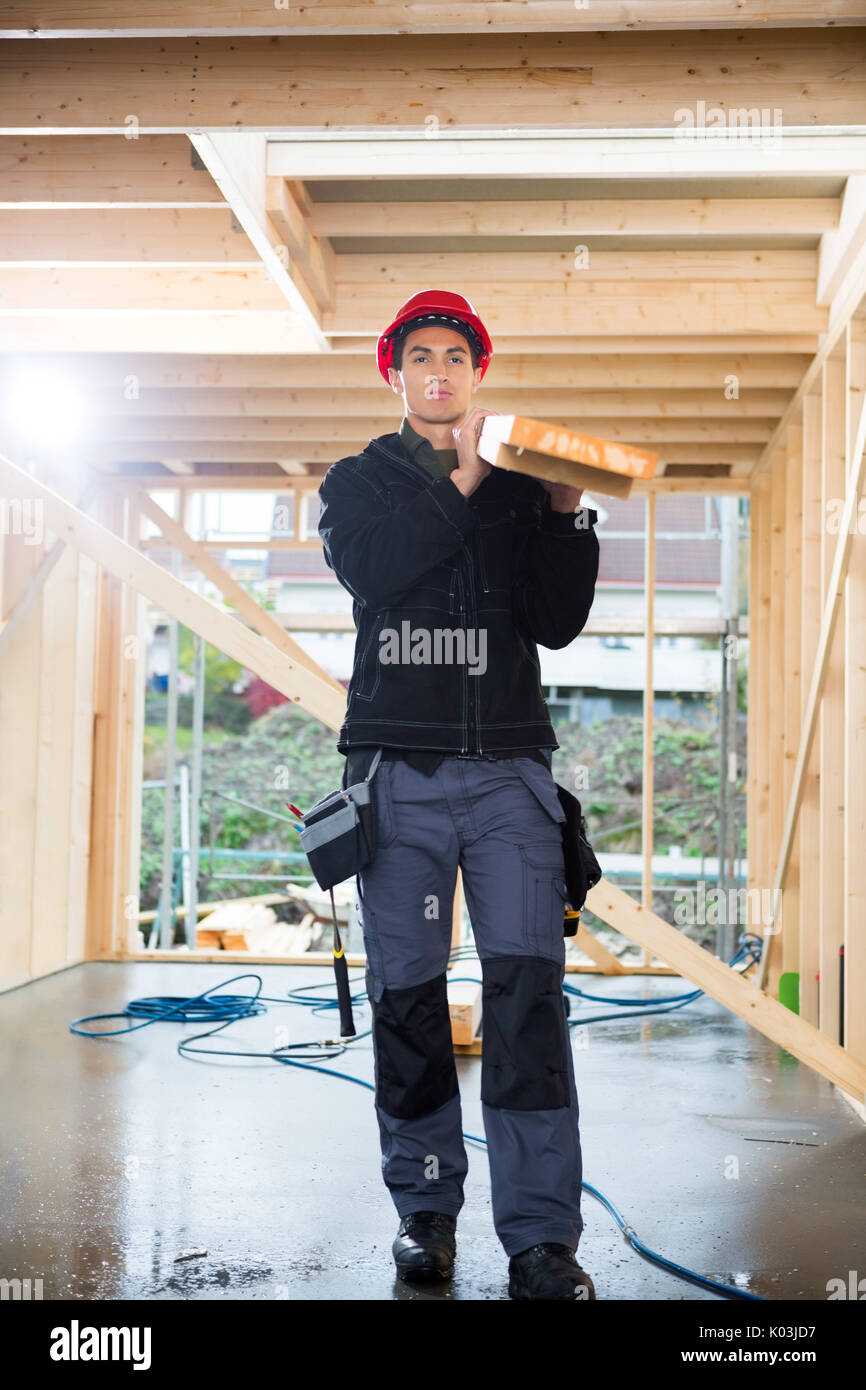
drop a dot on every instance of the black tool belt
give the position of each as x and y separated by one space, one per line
339 835
582 869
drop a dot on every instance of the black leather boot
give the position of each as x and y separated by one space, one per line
425 1245
548 1271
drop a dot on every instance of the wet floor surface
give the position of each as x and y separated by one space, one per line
120 1161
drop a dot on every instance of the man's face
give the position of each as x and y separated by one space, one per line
436 379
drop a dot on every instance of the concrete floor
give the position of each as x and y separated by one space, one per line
118 1155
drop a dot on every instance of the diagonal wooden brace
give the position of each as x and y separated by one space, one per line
71 525
730 988
259 618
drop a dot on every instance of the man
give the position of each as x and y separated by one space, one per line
457 570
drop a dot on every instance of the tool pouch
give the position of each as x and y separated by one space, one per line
339 834
582 869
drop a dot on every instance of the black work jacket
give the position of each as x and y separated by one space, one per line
410 548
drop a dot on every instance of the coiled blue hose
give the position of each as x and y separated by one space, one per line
229 1008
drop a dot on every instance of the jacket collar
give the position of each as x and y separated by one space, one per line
392 447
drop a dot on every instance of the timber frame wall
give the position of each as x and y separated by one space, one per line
807 814
187 251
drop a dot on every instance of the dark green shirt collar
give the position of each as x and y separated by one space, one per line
439 462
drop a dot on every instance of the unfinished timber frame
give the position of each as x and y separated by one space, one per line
214 256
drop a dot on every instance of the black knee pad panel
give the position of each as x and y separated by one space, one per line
525 1051
413 1054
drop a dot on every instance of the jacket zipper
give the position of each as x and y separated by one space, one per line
410 466
482 566
464 747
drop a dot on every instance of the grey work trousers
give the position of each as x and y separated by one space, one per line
500 820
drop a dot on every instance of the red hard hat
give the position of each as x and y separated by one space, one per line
438 304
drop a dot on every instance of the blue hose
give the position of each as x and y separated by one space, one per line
232 1007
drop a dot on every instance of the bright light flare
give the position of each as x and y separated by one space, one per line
43 408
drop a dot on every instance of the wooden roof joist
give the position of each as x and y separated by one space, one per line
169 375
847 305
236 331
206 237
640 307
103 18
60 235
563 154
548 217
260 335
536 402
292 435
550 80
576 345
527 269
56 288
96 171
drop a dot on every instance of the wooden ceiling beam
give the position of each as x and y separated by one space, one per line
104 18
103 171
240 334
575 345
190 236
287 207
64 289
238 163
581 264
166 374
557 80
537 402
291 436
841 247
235 331
638 217
562 154
640 307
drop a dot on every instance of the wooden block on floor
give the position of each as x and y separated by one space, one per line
464 1006
210 940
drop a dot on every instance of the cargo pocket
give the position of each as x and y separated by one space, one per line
380 788
544 898
542 785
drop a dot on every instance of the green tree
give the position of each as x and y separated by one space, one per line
221 673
